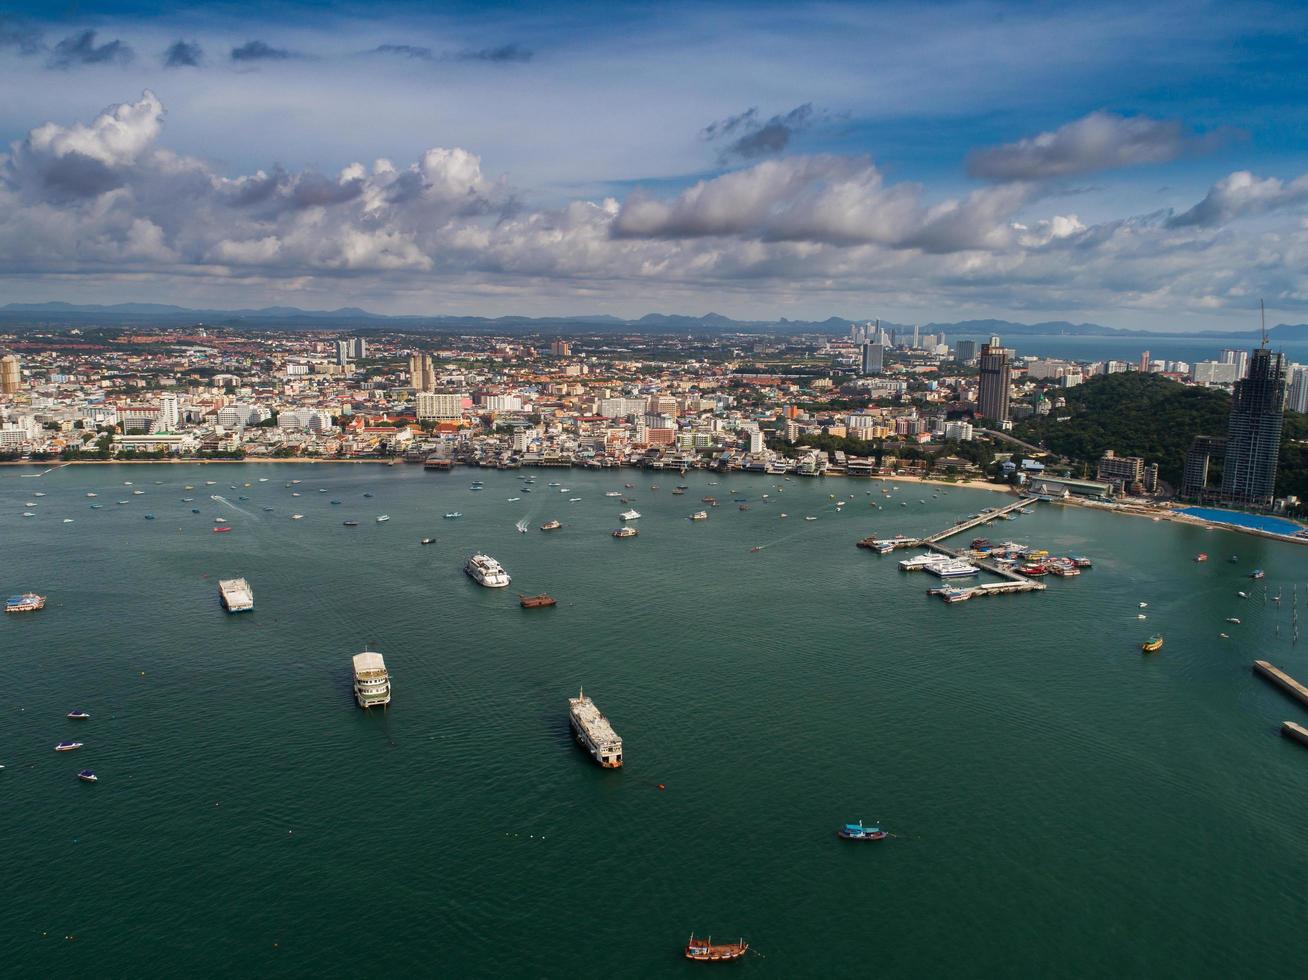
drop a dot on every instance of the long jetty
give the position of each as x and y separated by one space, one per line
1013 582
1282 680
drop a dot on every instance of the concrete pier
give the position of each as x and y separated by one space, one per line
1297 732
1282 680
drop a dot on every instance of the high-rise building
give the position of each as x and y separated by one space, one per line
422 376
965 351
1253 437
1144 363
1194 478
170 415
439 405
873 358
995 382
916 336
1126 473
1240 358
11 374
342 352
358 348
561 348
1297 400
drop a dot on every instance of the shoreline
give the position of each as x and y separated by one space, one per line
1176 517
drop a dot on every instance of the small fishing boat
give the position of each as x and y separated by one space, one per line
297 517
367 494
1232 619
613 493
536 601
699 515
67 746
221 530
427 541
1153 644
87 776
810 518
195 510
1243 595
1234 559
149 517
92 495
1141 616
1202 556
1224 636
1257 573
96 506
856 831
706 950
551 526
336 503
383 518
350 523
756 547
1144 605
453 514
68 520
630 486
78 715
625 532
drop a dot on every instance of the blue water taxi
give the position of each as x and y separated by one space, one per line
87 776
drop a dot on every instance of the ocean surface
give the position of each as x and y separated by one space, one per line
1063 805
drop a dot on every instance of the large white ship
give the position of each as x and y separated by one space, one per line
236 594
594 732
372 684
487 571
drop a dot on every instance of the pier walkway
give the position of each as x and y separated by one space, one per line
1013 582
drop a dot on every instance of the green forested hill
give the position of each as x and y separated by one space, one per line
1154 417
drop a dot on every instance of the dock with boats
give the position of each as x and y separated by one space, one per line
946 562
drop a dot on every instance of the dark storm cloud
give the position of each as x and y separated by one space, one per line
74 176
183 54
753 138
314 190
81 49
260 51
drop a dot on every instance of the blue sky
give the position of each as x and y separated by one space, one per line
1123 163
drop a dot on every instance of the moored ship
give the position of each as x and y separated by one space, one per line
372 683
551 525
27 602
594 732
625 532
236 595
486 571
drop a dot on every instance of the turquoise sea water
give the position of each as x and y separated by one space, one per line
1063 805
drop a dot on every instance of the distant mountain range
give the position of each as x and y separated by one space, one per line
348 317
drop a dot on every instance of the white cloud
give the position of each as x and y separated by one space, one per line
1240 194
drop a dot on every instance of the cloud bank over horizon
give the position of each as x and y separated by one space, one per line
776 197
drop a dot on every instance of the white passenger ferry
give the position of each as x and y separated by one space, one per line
236 594
372 684
487 571
594 732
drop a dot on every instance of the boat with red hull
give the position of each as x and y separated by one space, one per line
708 951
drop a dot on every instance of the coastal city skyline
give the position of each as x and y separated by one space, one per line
501 489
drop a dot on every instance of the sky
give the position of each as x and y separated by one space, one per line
1137 165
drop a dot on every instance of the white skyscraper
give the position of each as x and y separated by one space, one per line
1297 401
170 415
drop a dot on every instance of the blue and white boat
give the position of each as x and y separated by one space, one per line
87 776
67 746
856 831
78 715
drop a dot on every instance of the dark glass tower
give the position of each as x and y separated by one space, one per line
995 382
1253 439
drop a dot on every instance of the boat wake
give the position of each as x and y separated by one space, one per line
227 503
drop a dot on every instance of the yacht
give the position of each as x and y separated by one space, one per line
67 746
486 571
297 517
372 684
630 514
699 515
522 526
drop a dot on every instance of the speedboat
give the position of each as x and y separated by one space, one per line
137 493
453 514
1232 619
351 523
427 541
856 831
367 494
383 518
1144 605
149 517
297 517
67 746
221 530
68 520
92 495
78 715
87 776
1202 556
1243 595
1257 573
810 518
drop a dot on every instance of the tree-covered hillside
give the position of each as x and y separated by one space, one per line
1132 414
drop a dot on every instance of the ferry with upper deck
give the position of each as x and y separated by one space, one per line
236 595
487 571
27 602
594 732
372 683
